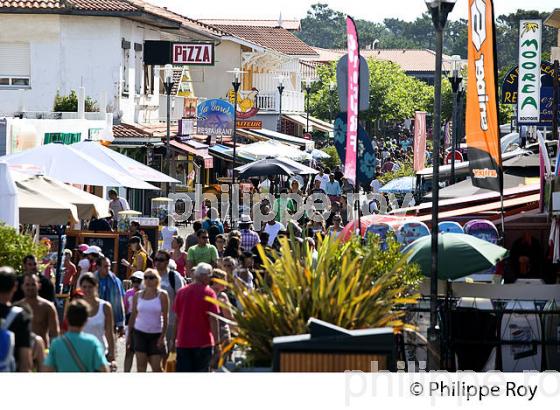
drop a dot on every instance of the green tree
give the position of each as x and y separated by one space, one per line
334 160
69 103
14 247
393 96
323 27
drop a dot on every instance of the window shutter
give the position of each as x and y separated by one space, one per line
14 59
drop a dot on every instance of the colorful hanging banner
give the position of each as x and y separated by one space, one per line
352 98
483 137
529 84
419 140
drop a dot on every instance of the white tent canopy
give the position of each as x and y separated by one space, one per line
112 159
8 198
272 149
39 209
69 165
87 205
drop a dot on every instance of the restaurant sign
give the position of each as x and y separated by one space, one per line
529 84
249 124
510 87
215 117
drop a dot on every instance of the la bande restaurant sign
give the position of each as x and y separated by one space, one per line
529 81
215 118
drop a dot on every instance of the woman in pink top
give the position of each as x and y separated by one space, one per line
149 320
178 255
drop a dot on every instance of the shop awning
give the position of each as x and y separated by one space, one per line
315 124
225 153
272 148
308 145
195 148
485 208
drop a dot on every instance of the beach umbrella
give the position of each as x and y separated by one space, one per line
459 255
112 159
87 205
296 167
399 186
264 167
68 165
317 154
9 213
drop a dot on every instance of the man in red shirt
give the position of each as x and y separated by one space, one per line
195 329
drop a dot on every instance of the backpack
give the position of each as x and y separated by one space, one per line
7 341
172 279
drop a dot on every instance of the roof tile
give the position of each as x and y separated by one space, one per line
274 38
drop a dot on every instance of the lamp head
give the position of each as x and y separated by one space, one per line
168 72
439 9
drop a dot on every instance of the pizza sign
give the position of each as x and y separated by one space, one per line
193 53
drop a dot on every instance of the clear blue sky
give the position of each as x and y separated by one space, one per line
374 10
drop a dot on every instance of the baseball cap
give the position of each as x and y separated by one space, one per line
93 249
138 275
83 247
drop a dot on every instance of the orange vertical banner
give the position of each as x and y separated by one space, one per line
482 128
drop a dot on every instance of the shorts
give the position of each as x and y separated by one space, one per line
147 343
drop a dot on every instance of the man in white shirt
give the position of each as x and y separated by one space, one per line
376 184
272 228
117 203
323 177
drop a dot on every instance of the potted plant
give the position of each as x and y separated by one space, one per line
354 285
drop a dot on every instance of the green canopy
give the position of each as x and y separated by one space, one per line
459 255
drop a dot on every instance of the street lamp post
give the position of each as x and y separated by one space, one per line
439 10
280 91
308 93
168 86
236 84
455 79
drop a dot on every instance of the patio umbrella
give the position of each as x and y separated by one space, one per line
318 154
66 164
264 167
113 159
271 148
9 213
87 205
39 209
459 255
296 167
399 185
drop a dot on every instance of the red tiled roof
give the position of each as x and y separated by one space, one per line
32 4
410 60
101 5
117 6
274 38
129 131
290 25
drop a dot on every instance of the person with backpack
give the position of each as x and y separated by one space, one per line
213 225
171 282
15 327
76 351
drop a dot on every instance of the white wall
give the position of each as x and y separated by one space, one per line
216 79
70 51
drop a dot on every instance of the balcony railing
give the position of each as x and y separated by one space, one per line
292 101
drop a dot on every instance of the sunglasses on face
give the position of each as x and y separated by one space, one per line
149 277
204 237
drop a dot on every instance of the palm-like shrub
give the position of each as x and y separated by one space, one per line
14 247
354 285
